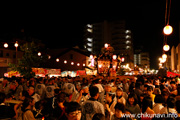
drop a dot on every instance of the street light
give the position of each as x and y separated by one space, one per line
16 45
39 53
5 45
57 60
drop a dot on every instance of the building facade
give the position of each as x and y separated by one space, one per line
142 60
175 58
114 33
8 56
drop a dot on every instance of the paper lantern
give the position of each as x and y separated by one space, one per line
166 47
167 30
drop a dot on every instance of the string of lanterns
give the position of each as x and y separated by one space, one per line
167 30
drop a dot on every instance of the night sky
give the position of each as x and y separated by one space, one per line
61 24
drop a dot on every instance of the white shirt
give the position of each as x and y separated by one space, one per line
157 108
101 89
164 110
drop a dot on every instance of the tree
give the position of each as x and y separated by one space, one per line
29 60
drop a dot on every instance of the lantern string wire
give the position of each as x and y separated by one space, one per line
169 11
166 11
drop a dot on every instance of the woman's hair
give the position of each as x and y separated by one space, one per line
72 106
61 97
147 102
178 89
133 95
120 106
26 102
98 116
159 99
171 102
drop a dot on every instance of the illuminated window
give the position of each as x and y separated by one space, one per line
89 44
89 39
89 49
89 30
128 47
127 31
127 42
84 46
128 37
90 26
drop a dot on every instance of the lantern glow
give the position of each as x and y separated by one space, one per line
114 57
65 61
16 44
57 60
106 45
72 63
39 53
166 47
164 56
5 45
167 30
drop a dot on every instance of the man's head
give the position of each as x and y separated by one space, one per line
85 88
94 92
73 111
108 87
31 90
149 90
119 92
119 110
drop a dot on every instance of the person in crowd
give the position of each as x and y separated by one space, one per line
165 94
125 85
120 112
98 116
73 111
6 112
173 89
147 108
27 108
157 91
19 89
68 87
178 108
34 95
110 104
40 88
150 93
132 104
92 106
137 90
81 96
170 108
107 89
97 83
159 100
59 110
119 96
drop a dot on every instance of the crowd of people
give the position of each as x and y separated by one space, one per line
90 98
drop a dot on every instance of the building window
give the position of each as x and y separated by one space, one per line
1 53
71 56
14 55
89 39
7 54
128 37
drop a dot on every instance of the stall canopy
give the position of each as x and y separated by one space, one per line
172 74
